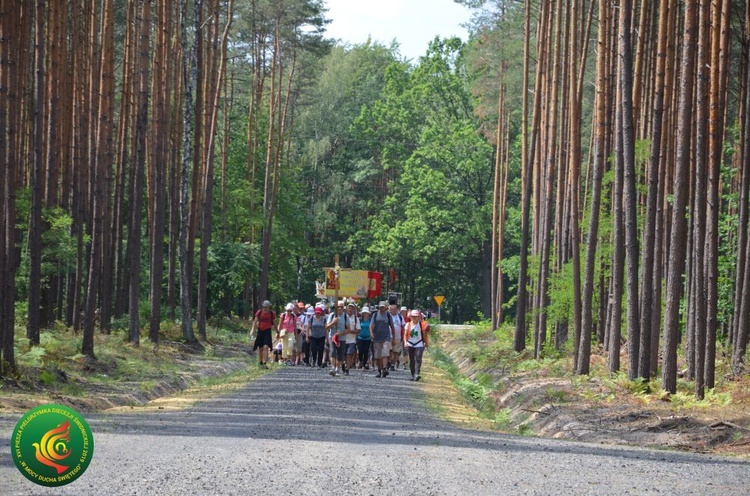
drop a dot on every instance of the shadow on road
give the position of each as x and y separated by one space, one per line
306 404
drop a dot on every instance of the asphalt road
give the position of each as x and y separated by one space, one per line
300 431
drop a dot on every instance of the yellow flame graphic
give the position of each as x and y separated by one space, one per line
52 448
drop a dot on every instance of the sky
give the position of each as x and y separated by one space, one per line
413 23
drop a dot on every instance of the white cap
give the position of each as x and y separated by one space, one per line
403 309
365 309
289 307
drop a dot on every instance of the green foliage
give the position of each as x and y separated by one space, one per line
477 393
59 249
230 265
34 357
47 378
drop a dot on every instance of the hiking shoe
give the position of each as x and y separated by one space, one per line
385 372
332 372
367 366
392 368
380 373
346 372
412 378
419 378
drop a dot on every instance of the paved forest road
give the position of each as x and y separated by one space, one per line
300 431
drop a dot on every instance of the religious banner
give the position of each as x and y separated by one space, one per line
358 284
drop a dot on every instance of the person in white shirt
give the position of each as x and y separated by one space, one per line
416 339
350 337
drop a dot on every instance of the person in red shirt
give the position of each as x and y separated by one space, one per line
264 322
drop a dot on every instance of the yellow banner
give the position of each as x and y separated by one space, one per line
352 283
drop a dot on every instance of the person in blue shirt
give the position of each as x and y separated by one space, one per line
364 340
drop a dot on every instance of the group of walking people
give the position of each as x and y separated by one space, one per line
343 338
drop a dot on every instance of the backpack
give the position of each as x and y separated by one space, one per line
258 315
284 321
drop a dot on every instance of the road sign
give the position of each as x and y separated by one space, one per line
439 300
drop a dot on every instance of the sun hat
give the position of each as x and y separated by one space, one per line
416 313
382 304
266 303
352 304
289 307
365 309
309 311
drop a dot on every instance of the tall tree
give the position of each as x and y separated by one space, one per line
678 234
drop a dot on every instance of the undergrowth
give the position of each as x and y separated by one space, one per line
57 363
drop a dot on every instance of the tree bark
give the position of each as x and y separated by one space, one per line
678 235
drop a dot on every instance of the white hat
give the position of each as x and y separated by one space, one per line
365 309
309 311
416 313
289 307
382 304
404 308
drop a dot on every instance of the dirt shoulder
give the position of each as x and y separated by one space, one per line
544 399
172 375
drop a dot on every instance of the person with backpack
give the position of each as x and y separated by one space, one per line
264 322
286 331
304 335
416 339
398 325
349 340
337 326
364 339
383 333
316 330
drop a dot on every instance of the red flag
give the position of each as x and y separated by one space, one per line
392 277
376 284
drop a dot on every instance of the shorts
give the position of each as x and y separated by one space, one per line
338 352
299 342
263 339
288 344
381 350
398 347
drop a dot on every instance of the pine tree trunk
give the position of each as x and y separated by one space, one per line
9 52
678 235
598 172
157 169
519 340
139 164
630 197
37 181
189 75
